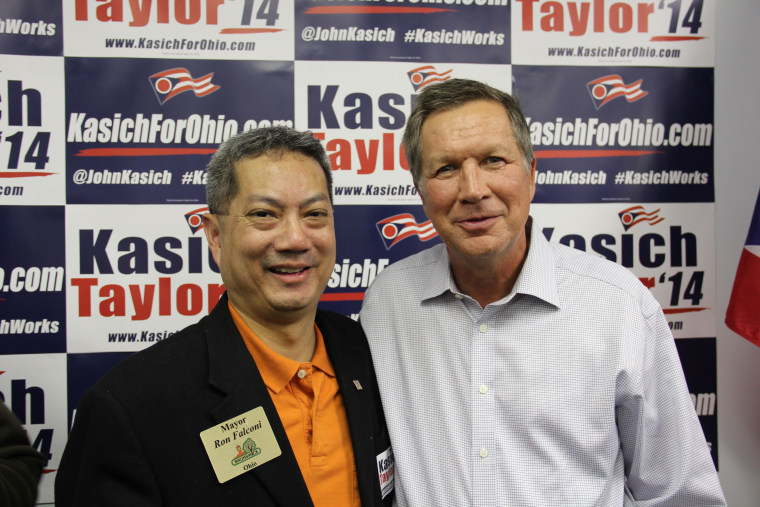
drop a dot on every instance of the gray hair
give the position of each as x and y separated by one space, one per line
221 184
450 95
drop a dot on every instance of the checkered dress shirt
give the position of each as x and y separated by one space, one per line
566 392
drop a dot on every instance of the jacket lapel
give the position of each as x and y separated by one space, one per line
233 372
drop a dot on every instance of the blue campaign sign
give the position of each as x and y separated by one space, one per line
619 133
31 28
370 238
456 31
32 280
698 359
151 145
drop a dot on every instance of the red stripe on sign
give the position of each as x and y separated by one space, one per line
22 174
251 30
374 10
592 153
142 152
670 311
674 38
343 296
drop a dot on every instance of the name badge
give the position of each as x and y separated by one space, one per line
240 444
385 468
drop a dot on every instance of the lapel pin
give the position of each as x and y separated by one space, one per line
358 385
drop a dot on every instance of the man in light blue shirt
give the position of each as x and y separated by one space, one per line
514 371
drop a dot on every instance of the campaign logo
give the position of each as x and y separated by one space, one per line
195 219
637 214
248 450
169 83
423 76
608 88
399 227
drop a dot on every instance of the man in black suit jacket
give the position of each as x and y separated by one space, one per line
137 437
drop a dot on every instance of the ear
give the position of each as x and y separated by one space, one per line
532 179
213 229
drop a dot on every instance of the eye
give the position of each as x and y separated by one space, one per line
492 161
443 171
317 215
258 214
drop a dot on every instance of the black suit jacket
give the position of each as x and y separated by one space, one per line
135 440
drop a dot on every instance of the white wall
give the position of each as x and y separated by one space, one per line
737 179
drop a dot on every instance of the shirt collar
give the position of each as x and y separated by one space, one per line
537 278
277 370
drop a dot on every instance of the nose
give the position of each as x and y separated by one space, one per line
293 236
473 184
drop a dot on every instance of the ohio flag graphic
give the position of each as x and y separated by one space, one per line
743 313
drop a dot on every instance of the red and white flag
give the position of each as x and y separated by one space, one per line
743 313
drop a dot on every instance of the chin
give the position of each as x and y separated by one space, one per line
294 304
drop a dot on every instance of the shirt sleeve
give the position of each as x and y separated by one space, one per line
666 457
104 462
20 465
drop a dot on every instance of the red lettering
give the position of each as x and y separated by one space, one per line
621 18
112 11
554 21
143 305
527 14
599 16
186 12
85 299
367 156
114 303
80 10
181 11
341 157
164 296
578 21
644 11
162 11
387 151
189 299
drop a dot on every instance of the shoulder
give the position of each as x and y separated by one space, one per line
580 270
409 271
177 356
339 328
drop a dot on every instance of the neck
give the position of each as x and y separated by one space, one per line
490 279
484 285
294 338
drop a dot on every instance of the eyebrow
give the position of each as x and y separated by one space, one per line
315 199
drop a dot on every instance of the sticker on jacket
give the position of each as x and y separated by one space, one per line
385 467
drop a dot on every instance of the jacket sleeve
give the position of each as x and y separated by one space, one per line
20 465
104 462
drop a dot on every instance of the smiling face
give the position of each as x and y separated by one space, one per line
276 246
475 187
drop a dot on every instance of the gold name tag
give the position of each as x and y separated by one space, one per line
240 444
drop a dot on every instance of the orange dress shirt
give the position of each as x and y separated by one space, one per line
310 406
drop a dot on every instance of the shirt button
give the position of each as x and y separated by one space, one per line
483 453
483 328
301 373
458 296
483 389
